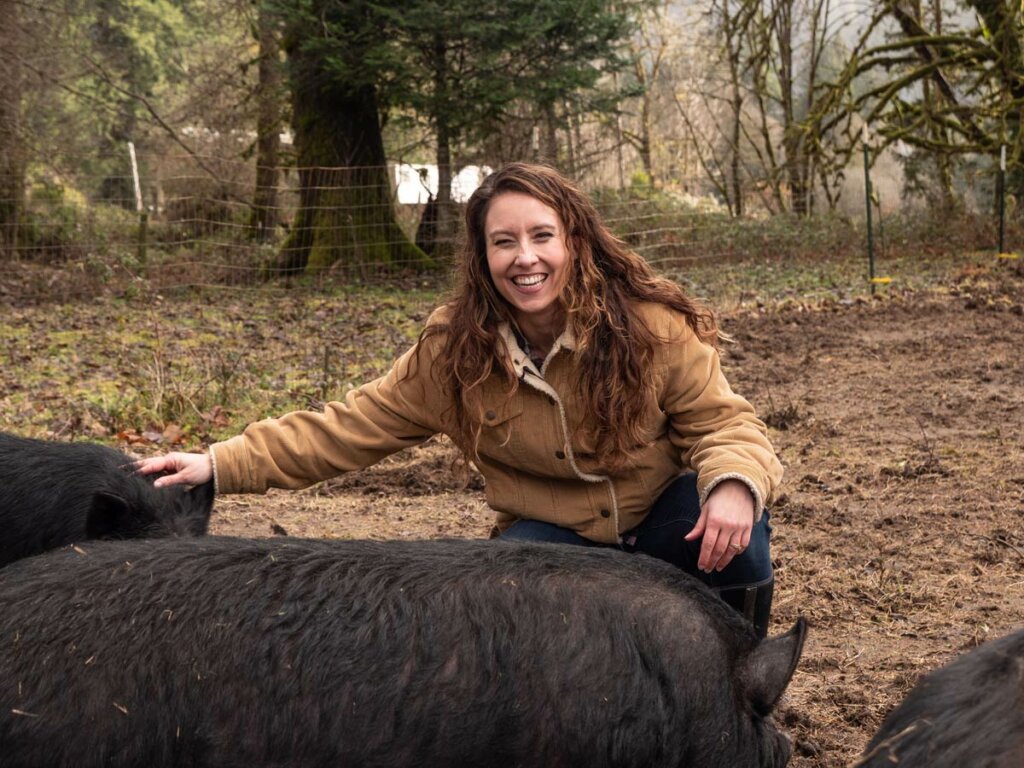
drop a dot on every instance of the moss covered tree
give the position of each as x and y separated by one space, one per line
336 58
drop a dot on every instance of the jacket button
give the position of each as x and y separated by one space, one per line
490 415
559 454
605 513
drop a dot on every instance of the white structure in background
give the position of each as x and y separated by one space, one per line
415 183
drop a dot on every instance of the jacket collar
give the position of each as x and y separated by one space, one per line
521 363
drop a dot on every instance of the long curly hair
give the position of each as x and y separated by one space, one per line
604 284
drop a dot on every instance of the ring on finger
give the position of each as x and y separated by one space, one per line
736 548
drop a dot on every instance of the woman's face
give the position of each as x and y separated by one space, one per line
528 258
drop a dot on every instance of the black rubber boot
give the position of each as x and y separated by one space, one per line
752 603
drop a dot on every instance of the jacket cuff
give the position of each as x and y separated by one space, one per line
213 464
754 491
230 470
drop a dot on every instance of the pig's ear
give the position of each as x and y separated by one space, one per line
768 669
108 514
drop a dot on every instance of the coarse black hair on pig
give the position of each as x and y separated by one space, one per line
969 713
218 651
55 493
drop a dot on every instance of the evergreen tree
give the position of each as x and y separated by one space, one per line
459 65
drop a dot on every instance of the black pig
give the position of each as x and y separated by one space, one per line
217 652
968 714
52 494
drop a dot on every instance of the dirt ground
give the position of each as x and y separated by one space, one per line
898 532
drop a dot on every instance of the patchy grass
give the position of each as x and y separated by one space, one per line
772 282
208 361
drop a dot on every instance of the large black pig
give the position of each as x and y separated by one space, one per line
231 652
53 493
968 714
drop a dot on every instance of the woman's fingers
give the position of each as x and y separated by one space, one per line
722 542
715 549
725 548
150 465
184 468
698 529
733 549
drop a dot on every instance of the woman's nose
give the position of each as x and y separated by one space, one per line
525 254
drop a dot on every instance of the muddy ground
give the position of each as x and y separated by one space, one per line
898 532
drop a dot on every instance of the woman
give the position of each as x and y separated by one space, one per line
586 389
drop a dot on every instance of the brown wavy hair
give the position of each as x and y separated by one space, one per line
604 284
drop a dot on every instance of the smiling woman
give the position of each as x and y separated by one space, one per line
527 255
585 388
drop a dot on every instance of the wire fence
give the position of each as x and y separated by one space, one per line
183 227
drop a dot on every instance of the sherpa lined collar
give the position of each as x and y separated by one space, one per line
516 345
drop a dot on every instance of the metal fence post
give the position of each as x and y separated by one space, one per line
140 209
1001 194
867 201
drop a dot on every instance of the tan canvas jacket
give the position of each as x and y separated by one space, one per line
535 461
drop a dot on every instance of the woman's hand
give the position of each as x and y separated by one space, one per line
187 468
725 522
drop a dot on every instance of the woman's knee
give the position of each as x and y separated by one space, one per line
539 531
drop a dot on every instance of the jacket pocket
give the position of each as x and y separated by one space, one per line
497 430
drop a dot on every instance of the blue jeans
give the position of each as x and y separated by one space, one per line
661 533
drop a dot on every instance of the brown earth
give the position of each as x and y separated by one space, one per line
898 532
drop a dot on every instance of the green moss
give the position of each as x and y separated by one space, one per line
9 332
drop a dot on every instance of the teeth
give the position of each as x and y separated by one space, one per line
529 279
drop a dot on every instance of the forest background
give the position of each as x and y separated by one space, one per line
269 136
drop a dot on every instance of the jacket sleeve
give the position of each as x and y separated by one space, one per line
716 429
398 410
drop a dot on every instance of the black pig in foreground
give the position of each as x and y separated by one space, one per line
968 714
287 652
52 494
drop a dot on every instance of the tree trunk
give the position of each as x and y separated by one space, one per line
570 144
650 47
550 150
444 239
577 132
345 205
792 138
734 52
264 215
619 139
12 160
645 135
734 165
